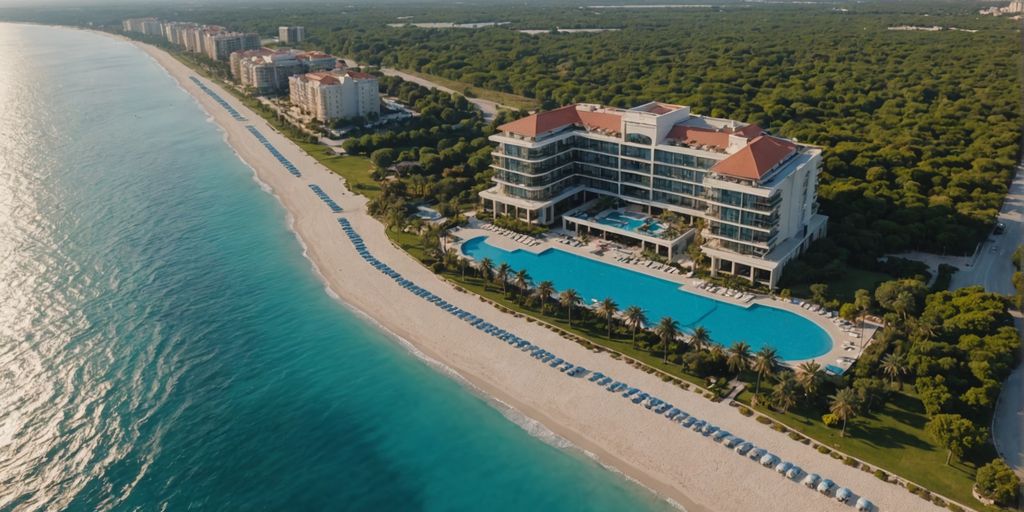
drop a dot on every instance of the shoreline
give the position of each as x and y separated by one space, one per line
672 463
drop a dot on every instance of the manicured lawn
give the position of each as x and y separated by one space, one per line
355 169
503 98
844 288
892 439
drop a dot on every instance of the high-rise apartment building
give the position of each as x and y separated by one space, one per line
291 35
340 95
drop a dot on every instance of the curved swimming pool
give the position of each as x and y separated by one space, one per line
793 336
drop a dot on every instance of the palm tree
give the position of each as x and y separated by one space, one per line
844 406
809 376
700 338
569 299
764 364
502 275
396 219
463 263
544 290
522 281
635 319
486 268
667 331
784 395
894 366
607 308
451 258
739 357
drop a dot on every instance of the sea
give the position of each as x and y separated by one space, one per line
166 346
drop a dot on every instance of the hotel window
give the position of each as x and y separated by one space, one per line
633 152
638 138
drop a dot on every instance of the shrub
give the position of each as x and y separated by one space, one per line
913 488
836 455
779 427
881 475
746 411
764 420
850 461
938 501
997 482
437 267
830 420
824 449
954 507
795 436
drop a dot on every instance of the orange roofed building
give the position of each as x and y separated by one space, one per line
756 193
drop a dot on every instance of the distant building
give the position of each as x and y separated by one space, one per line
177 32
291 35
339 95
218 45
147 26
756 193
266 71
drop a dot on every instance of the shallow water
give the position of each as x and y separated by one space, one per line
164 345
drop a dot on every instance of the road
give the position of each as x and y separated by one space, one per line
992 266
489 108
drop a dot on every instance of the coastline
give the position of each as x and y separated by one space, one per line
631 440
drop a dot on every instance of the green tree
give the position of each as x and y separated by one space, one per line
784 394
607 309
895 367
955 433
997 481
667 330
486 268
700 339
502 275
382 158
636 319
569 299
544 291
843 405
819 293
809 376
521 281
765 362
739 357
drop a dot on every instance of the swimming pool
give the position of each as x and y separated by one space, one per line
793 336
629 222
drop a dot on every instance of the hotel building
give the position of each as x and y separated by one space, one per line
329 96
265 71
220 45
756 193
291 35
147 26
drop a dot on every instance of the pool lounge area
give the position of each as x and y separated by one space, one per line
794 336
626 224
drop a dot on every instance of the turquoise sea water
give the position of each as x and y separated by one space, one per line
164 345
792 336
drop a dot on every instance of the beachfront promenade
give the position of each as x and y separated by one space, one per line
686 467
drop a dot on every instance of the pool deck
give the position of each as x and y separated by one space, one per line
842 341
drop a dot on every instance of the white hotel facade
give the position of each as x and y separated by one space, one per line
756 193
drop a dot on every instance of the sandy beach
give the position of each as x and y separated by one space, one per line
684 467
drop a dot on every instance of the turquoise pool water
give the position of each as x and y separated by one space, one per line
793 336
621 221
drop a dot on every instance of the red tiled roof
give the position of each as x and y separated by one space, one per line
323 78
543 122
699 136
359 75
756 158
